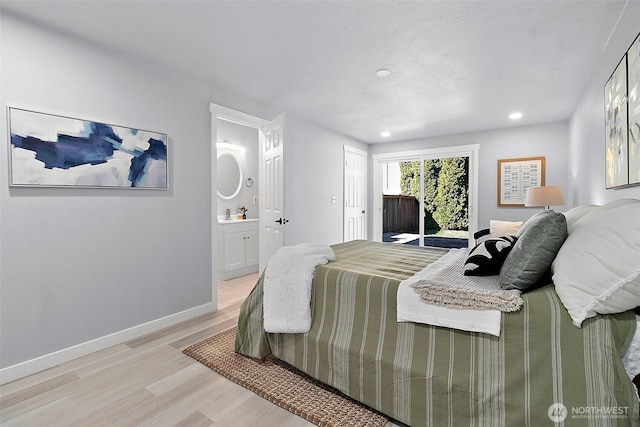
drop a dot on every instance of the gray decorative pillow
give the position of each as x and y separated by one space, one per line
539 240
486 258
534 220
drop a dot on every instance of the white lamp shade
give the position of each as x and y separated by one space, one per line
544 196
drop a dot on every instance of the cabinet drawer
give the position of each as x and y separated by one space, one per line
236 226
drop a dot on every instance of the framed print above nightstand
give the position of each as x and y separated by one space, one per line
515 176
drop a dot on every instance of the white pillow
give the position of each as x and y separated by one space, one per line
503 228
574 214
597 269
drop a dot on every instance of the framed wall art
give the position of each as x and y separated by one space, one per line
622 121
515 176
615 107
633 84
48 150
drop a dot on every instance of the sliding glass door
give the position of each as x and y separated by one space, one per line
401 202
426 198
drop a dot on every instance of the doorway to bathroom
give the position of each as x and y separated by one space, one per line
260 190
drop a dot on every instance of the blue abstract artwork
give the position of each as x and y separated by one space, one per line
49 150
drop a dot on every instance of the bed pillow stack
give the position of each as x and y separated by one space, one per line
574 214
486 258
597 270
538 242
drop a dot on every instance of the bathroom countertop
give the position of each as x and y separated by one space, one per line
233 220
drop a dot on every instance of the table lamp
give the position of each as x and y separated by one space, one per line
544 196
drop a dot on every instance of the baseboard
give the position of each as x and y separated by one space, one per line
20 370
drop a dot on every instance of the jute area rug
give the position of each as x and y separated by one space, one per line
283 385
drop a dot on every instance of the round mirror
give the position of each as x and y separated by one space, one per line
229 175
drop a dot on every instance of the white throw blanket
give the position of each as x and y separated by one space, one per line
444 283
411 307
287 286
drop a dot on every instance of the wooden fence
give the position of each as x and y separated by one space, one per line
400 214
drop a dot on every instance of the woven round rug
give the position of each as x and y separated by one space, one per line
283 385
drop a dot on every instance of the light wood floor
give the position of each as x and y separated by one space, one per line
145 382
235 290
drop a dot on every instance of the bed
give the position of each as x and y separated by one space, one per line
540 367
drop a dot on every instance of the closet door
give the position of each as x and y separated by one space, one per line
355 174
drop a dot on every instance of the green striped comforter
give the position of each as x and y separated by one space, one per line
541 367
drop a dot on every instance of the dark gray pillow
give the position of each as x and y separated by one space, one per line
534 220
486 258
531 257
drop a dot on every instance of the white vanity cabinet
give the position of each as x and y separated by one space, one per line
240 248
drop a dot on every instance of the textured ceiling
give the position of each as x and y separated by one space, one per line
458 66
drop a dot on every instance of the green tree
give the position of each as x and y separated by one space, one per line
410 179
431 171
451 211
445 190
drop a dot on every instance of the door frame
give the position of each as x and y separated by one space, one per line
219 112
471 151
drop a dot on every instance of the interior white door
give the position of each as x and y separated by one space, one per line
272 215
355 195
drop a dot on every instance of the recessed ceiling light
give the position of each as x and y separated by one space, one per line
515 116
383 72
385 134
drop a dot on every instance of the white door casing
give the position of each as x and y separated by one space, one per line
272 200
355 196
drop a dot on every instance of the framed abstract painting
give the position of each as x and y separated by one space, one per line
616 144
622 121
633 83
48 150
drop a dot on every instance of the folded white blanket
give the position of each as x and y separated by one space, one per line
287 286
411 307
444 283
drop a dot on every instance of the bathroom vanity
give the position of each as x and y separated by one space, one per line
240 247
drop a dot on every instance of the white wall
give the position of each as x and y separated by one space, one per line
548 140
587 143
314 174
78 264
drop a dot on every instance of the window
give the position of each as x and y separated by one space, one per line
418 193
